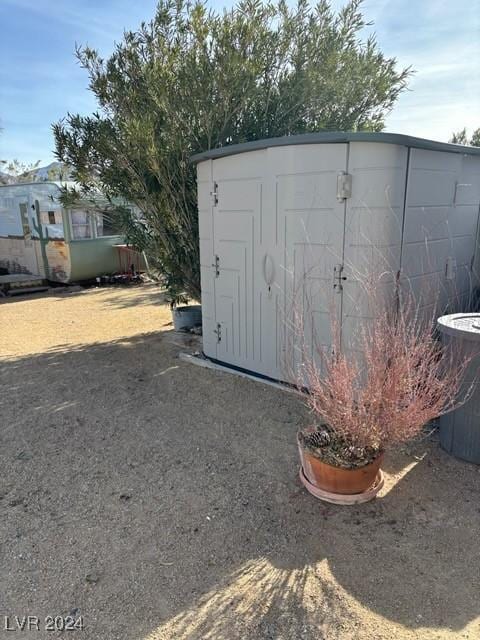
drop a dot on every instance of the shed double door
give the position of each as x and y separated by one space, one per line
278 236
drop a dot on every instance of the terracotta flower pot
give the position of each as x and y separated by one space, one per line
335 480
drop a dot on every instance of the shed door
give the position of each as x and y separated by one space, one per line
278 236
236 220
311 228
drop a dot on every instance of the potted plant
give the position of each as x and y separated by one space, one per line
185 316
369 398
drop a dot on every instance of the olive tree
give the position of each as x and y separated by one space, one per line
193 79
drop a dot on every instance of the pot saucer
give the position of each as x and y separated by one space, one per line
344 499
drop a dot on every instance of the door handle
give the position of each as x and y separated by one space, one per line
268 271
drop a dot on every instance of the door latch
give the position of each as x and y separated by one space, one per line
338 278
344 186
216 266
218 331
214 194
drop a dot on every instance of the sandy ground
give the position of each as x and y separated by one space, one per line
159 500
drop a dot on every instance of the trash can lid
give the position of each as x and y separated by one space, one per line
461 325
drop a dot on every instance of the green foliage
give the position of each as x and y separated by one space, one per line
475 139
192 80
461 137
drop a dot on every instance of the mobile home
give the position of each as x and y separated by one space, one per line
39 236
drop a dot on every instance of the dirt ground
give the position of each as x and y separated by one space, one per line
160 501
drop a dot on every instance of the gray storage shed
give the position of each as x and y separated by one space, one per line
311 213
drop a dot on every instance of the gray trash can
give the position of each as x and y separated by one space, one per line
460 429
185 318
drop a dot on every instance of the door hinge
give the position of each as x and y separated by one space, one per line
338 278
216 266
218 331
214 194
344 186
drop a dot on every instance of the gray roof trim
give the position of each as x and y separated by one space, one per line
335 137
40 183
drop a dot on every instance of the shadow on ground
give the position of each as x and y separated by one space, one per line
148 294
160 500
145 295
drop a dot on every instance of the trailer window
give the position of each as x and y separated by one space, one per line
81 225
105 226
88 225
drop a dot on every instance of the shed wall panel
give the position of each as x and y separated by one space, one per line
373 230
440 236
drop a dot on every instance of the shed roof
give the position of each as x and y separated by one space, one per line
335 137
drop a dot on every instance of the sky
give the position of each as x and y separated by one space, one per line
40 79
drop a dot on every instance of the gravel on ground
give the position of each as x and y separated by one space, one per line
158 500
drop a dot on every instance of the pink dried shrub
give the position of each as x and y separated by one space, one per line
380 394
